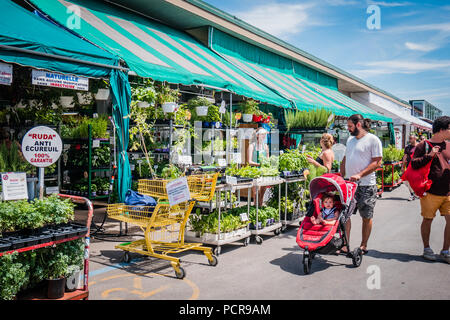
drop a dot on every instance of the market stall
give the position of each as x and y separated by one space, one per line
41 57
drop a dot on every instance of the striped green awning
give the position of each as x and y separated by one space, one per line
288 86
154 50
354 105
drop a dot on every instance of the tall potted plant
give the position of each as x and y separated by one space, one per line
57 264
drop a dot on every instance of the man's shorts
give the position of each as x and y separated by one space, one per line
366 197
430 203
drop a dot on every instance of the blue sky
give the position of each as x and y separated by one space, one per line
409 56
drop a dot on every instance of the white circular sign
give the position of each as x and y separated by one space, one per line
41 146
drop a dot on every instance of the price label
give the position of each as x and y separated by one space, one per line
96 144
14 186
231 180
244 217
178 191
222 162
185 160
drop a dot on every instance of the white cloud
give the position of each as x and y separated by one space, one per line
279 19
400 67
421 46
389 4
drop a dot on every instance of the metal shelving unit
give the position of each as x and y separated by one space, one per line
295 221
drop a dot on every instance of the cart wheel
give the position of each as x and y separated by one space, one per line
259 240
283 228
357 257
217 251
277 231
307 261
126 257
214 261
181 274
246 242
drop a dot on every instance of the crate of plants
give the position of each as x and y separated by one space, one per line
24 224
42 272
206 226
267 216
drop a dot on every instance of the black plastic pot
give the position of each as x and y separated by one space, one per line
56 288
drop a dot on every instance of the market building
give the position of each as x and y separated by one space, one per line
424 110
174 100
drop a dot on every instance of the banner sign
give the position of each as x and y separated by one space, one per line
58 80
41 146
178 191
6 74
14 186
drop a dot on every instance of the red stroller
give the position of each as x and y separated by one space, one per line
328 239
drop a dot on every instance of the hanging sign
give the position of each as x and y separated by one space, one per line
41 146
178 191
6 74
58 80
14 186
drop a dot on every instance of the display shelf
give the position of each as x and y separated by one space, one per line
220 242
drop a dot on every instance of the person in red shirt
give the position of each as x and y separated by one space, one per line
438 196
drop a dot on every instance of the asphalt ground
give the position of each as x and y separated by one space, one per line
393 268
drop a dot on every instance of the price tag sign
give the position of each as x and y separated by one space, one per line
96 144
231 180
178 191
222 162
244 216
52 190
14 186
185 160
304 148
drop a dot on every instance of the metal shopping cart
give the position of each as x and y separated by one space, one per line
163 225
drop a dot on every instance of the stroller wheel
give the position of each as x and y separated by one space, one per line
357 257
307 261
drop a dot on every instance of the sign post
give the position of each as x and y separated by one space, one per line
42 147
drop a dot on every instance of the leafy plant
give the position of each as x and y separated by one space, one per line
13 276
249 106
391 154
318 118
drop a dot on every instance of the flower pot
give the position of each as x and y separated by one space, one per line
169 107
66 101
56 288
206 124
102 94
247 117
143 104
94 193
257 118
201 110
218 125
266 120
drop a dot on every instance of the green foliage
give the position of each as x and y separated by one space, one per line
79 128
249 106
170 172
317 118
209 223
11 159
13 276
17 215
101 157
391 153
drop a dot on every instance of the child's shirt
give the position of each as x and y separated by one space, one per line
328 213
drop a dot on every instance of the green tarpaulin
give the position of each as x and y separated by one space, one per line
29 40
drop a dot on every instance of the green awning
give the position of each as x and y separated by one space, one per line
285 77
347 101
29 40
154 50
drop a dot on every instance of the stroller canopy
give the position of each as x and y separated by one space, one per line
331 182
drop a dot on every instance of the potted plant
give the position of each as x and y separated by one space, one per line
57 264
168 98
94 190
249 108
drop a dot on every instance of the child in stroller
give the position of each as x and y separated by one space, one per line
328 237
329 213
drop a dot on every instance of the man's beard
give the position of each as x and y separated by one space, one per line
355 132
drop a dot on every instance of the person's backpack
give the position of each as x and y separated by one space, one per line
418 178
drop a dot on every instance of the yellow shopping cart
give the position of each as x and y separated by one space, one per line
163 225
